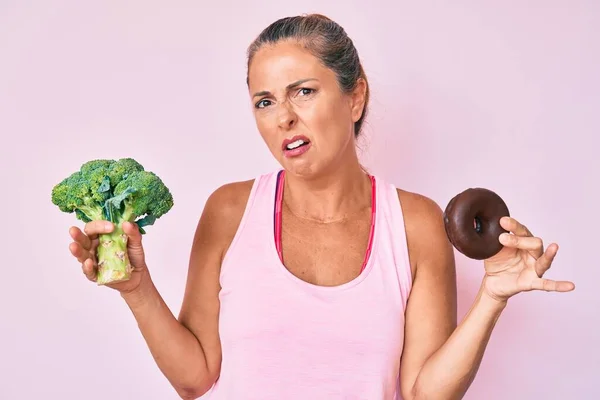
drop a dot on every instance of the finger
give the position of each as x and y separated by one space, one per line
134 235
545 261
550 285
514 226
80 237
534 245
94 228
79 252
89 270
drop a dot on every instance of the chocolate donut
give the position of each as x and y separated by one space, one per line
472 222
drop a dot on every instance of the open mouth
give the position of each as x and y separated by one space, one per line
296 144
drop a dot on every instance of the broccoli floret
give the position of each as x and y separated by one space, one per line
95 173
116 191
145 195
74 194
121 169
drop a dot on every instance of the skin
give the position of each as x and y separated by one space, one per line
327 194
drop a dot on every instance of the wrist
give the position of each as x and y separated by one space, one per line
490 302
141 294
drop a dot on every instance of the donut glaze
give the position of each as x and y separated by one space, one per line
472 222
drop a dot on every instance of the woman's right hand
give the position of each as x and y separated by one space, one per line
85 243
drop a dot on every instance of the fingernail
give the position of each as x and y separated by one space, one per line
107 225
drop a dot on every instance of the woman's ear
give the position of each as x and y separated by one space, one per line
358 98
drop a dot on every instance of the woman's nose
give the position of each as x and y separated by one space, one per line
287 117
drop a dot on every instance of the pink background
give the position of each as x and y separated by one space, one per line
502 95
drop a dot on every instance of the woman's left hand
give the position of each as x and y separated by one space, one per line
521 264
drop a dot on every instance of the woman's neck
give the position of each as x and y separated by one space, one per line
329 197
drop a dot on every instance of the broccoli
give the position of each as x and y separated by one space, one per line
117 191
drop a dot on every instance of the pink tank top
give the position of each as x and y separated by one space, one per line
284 339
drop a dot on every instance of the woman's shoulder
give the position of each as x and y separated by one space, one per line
228 201
222 214
424 225
419 207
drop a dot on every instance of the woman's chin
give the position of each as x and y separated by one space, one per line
304 168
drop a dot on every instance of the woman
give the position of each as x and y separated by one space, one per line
299 280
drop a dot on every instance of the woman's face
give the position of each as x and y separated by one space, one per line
301 113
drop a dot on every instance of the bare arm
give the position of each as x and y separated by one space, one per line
187 349
440 360
175 348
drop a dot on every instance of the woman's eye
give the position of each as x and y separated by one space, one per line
302 92
306 91
263 103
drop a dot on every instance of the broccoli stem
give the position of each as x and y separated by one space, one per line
113 260
92 212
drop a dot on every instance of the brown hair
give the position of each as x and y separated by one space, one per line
327 41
